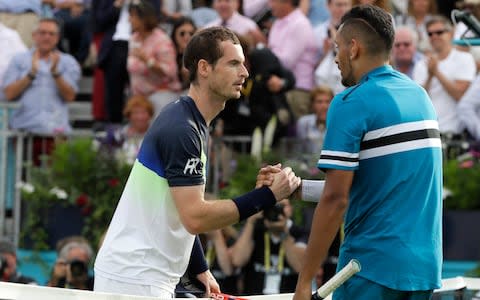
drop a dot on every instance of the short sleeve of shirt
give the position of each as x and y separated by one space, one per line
346 125
183 157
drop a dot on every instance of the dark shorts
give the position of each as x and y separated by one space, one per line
359 288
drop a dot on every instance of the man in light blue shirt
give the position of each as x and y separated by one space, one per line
43 80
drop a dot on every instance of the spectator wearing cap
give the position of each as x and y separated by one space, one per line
8 264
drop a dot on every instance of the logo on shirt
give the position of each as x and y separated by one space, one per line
191 166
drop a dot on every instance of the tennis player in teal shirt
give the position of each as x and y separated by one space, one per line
383 162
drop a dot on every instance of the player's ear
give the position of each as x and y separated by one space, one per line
354 48
203 68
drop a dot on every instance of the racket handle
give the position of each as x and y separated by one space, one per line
315 296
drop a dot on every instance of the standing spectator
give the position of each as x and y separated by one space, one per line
229 17
317 14
152 59
299 57
270 249
73 16
404 53
173 10
71 267
11 44
21 16
311 128
8 264
419 12
446 73
203 13
111 19
182 32
43 80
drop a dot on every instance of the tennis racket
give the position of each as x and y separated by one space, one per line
337 280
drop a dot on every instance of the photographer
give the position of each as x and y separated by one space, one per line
71 268
270 248
8 264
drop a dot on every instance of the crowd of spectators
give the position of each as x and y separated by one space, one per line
136 47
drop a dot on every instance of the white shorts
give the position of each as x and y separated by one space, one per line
106 285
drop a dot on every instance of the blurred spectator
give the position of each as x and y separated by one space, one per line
11 44
151 63
218 255
469 110
327 73
173 10
126 140
8 264
325 32
446 73
21 16
230 17
253 8
43 80
270 249
419 12
71 269
111 19
203 13
317 13
182 32
311 128
73 16
299 57
404 53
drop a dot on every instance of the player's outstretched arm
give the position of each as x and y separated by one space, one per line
199 215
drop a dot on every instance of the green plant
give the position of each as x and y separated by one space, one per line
461 177
78 173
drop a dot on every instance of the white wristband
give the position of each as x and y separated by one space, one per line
312 190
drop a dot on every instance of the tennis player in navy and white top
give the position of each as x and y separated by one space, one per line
151 239
382 157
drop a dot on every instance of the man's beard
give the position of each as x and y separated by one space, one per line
349 80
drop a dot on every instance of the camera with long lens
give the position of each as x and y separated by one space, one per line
273 213
78 269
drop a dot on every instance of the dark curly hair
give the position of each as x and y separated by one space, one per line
372 25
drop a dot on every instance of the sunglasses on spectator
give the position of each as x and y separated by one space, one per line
437 32
183 33
402 44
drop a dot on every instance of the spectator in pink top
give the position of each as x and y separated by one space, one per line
299 56
152 58
230 17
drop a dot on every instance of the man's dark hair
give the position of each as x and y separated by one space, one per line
205 44
372 25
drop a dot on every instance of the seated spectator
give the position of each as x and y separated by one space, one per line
126 140
8 264
151 59
311 128
21 16
71 268
172 10
43 80
11 44
468 110
203 13
182 32
418 14
404 52
270 250
230 17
